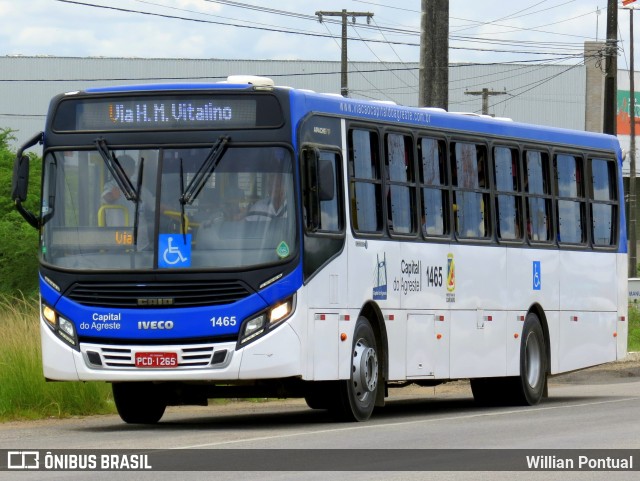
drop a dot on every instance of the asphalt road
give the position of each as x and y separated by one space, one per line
594 409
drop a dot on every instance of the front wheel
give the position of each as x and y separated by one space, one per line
138 402
357 396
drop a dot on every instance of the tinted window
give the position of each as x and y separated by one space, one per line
470 205
604 207
508 205
401 195
365 184
571 207
538 210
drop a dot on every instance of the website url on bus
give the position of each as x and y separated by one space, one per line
385 112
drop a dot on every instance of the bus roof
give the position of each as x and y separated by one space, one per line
452 122
305 101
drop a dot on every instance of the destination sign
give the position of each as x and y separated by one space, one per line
166 113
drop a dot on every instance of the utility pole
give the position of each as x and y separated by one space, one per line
485 92
344 85
633 250
434 54
610 87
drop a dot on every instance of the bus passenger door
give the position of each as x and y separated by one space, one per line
324 271
421 345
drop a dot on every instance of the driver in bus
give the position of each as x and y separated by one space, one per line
273 204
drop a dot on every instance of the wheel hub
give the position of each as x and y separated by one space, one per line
365 370
533 355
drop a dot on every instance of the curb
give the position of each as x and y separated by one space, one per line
631 357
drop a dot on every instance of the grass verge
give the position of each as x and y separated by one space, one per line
24 393
634 329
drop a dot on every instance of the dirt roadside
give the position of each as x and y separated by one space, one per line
625 370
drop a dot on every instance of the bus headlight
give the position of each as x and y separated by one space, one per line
50 316
260 324
62 327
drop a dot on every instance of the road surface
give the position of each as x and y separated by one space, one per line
593 409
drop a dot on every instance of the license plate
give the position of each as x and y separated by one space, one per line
156 359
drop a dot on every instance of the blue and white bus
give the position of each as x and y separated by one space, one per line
242 239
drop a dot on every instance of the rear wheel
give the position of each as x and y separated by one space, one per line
357 396
138 402
533 363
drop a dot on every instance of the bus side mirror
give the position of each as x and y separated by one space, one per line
20 183
319 185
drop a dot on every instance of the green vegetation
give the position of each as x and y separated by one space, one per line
634 329
25 394
19 246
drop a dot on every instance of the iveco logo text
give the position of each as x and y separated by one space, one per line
154 325
156 301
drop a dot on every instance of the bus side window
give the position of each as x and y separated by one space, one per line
508 200
604 209
571 204
365 183
471 194
400 194
433 187
538 196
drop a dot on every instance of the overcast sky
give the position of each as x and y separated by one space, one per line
480 30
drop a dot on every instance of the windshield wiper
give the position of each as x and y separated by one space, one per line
136 218
204 172
130 192
117 172
183 222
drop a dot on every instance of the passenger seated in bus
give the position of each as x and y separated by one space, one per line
273 204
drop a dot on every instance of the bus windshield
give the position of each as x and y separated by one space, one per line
182 211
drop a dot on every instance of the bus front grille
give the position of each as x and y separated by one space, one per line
158 294
188 356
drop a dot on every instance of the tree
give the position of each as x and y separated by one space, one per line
18 249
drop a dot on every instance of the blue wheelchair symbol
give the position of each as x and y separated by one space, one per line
173 252
537 276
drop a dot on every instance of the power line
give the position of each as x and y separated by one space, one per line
477 23
294 32
379 59
202 77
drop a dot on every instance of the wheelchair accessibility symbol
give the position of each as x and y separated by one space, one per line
173 252
537 276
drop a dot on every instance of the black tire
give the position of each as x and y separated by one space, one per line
526 389
530 385
356 397
138 402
